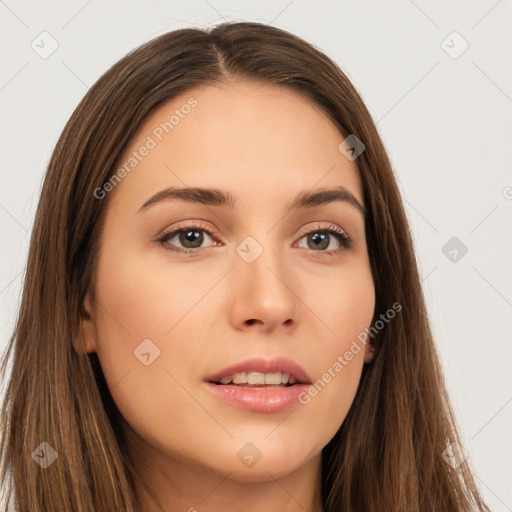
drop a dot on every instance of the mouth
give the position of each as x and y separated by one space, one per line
259 372
248 379
260 385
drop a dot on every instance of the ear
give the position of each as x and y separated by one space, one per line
369 352
85 341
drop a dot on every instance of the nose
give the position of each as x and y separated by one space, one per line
263 298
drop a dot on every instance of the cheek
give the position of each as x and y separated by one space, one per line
142 320
346 306
143 294
147 313
344 302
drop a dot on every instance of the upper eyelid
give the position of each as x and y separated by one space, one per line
325 227
182 227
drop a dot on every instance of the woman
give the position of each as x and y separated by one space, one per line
222 308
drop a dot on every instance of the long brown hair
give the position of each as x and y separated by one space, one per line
386 456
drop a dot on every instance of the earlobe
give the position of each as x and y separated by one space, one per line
369 353
85 339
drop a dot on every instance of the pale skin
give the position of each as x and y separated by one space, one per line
209 309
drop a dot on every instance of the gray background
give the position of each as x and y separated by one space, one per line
445 119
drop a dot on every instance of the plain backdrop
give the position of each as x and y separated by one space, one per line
437 79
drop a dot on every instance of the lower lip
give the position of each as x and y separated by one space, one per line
270 399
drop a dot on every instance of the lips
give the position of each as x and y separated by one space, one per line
261 372
244 384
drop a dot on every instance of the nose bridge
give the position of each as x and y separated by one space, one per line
260 280
263 267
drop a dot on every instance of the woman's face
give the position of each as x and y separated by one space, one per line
264 280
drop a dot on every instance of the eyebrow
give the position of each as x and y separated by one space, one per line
216 197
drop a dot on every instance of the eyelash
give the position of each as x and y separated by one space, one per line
331 229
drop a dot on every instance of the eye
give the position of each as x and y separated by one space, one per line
190 237
320 238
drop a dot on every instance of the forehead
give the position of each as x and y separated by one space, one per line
255 140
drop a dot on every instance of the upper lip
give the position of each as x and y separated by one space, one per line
257 364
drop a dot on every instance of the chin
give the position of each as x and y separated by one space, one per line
274 462
262 472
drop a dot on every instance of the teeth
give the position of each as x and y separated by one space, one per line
240 378
255 378
275 378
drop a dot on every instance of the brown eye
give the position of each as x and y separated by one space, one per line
320 240
191 239
187 239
